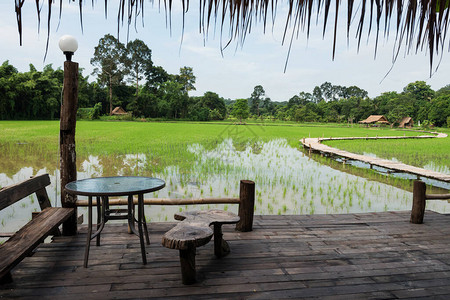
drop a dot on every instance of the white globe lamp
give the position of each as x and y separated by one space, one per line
68 45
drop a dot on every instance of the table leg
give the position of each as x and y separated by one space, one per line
131 228
89 233
147 238
99 219
140 224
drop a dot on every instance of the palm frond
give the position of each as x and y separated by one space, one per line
420 25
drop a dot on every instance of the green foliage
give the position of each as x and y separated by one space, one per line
96 112
84 112
240 109
109 61
186 79
29 95
36 95
137 61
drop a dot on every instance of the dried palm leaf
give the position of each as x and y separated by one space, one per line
421 25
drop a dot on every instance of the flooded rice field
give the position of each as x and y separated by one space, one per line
288 181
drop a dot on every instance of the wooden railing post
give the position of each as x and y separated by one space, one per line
419 200
68 167
246 205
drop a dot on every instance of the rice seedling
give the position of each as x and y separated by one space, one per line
193 161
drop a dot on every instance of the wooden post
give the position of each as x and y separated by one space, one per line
68 165
419 200
246 206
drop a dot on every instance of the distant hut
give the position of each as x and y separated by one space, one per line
406 122
375 119
119 111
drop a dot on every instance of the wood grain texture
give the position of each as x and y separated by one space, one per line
28 237
13 193
193 231
337 256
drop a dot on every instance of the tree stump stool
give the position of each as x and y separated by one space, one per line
194 231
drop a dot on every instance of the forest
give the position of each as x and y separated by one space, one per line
125 76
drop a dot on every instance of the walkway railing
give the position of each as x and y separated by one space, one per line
246 203
419 201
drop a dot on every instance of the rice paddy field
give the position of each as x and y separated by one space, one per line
208 160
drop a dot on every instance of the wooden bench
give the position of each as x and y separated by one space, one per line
194 231
23 242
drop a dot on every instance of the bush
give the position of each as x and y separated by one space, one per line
96 111
84 112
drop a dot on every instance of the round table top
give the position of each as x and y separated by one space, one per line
115 186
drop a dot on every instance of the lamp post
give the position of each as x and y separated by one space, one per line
69 106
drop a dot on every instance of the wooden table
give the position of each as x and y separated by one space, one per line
104 187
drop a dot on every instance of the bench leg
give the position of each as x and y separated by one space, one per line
187 261
221 247
7 278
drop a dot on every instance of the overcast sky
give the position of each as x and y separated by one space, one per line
260 61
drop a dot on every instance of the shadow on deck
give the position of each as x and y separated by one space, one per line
374 255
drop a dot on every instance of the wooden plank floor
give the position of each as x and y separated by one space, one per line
315 144
352 256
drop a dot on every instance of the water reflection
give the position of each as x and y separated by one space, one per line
287 182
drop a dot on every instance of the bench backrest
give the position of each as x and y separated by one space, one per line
11 194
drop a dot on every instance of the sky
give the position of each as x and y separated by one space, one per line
232 73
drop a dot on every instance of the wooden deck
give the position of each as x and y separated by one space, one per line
353 256
315 144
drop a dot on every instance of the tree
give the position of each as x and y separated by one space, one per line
419 90
186 78
138 61
439 110
156 77
176 98
255 99
240 109
108 60
212 101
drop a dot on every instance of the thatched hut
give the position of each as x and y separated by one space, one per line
406 122
375 119
119 111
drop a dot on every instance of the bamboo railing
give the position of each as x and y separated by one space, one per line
246 203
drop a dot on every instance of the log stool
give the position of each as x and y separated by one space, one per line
194 231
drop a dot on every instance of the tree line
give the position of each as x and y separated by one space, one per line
126 76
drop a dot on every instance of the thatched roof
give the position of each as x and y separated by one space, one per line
375 119
118 111
406 121
419 25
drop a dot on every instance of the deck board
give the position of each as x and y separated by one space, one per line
348 256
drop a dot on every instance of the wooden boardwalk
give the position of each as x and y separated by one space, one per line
315 144
348 256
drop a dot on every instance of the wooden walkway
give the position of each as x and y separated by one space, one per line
315 144
352 256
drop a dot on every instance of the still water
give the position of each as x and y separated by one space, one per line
287 182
